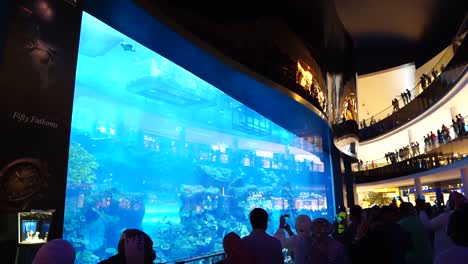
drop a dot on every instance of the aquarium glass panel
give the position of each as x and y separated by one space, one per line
155 147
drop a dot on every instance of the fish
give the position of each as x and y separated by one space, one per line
127 46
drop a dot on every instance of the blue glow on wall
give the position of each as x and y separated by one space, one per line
155 147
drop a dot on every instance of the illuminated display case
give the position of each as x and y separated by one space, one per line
33 227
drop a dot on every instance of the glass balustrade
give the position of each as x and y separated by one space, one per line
437 83
204 259
392 158
433 156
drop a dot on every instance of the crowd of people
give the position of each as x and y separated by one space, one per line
431 141
408 233
405 97
443 134
458 124
403 153
427 79
392 234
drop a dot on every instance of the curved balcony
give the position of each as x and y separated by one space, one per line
439 85
435 156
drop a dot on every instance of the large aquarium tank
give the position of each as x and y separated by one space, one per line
157 148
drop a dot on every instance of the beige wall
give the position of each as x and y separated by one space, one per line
443 57
376 90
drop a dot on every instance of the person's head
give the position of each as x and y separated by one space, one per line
303 224
457 228
259 218
321 228
373 213
232 244
355 213
129 235
406 209
387 214
456 200
56 251
420 204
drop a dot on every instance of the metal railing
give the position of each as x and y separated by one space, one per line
414 165
388 114
203 259
440 156
439 88
423 149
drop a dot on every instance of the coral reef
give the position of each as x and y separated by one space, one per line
205 203
82 166
86 257
96 226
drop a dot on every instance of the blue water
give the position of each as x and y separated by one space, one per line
155 147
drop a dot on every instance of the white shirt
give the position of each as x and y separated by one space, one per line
455 254
264 248
296 243
439 226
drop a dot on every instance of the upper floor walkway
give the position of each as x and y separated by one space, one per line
431 88
437 157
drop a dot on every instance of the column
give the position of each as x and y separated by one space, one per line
410 136
464 178
348 181
356 197
417 187
411 140
453 112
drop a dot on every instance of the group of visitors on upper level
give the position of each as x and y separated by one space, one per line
431 141
406 98
458 124
395 104
443 134
426 80
403 153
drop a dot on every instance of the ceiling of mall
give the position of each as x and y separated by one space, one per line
388 33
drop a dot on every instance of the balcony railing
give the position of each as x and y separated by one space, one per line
446 73
204 259
440 87
439 156
411 153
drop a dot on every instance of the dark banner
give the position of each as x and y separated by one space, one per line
37 75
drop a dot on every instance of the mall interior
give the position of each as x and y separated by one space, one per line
180 117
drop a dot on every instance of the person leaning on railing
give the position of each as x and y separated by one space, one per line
461 125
